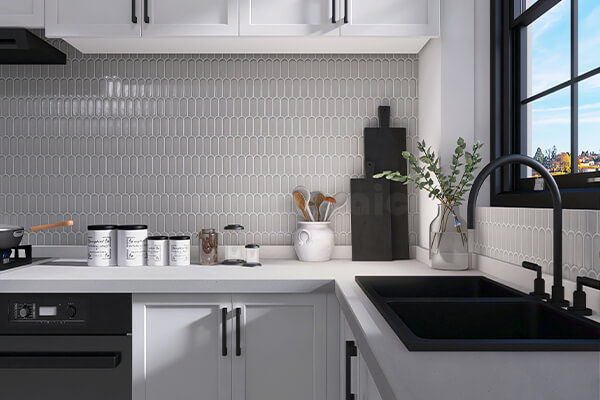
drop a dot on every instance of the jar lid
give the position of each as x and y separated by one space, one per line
179 238
132 227
101 227
158 237
252 246
208 230
234 227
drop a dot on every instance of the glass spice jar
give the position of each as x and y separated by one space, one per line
208 247
234 251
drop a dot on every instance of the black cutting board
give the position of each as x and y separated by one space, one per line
383 151
384 145
371 220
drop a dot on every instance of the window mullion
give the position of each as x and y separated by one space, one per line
574 86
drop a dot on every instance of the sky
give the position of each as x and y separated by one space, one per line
550 65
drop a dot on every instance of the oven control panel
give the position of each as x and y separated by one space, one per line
47 313
65 313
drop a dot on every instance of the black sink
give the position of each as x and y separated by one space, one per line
471 313
389 287
526 325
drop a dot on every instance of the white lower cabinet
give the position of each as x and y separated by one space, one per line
178 347
357 381
268 347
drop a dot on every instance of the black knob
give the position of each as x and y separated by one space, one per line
25 312
71 311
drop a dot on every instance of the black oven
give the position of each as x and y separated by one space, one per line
65 347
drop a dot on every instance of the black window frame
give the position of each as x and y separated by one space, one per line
508 189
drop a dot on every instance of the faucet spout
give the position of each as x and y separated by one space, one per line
558 291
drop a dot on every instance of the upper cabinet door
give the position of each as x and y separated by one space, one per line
93 18
288 17
191 18
392 18
282 352
22 13
178 348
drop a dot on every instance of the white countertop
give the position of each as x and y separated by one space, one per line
394 369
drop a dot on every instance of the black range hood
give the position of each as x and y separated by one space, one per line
19 46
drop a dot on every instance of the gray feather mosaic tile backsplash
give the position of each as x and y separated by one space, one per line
185 142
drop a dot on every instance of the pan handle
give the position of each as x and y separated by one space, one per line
50 226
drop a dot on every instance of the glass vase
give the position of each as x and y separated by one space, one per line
448 248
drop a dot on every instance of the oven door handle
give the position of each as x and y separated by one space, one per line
78 360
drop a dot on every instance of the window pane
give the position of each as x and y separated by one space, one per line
549 49
529 3
549 131
589 125
589 35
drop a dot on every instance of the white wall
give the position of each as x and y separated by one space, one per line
454 90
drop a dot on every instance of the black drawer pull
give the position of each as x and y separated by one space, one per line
224 332
48 360
133 12
146 15
333 21
345 11
351 351
238 340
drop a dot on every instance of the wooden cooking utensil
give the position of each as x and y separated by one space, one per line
50 226
300 203
319 199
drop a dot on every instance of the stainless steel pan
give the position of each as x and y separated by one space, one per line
11 235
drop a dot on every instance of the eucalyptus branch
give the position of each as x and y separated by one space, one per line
447 189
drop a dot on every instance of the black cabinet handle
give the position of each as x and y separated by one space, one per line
345 11
238 344
351 351
224 332
146 16
133 12
31 360
333 21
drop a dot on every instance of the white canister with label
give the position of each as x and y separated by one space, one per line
179 250
102 245
132 245
158 251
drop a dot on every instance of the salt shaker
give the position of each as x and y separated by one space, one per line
252 260
209 246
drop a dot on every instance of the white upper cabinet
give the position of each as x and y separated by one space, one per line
190 18
93 18
22 13
391 18
289 17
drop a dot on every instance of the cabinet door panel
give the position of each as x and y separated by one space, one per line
392 18
92 18
181 357
283 348
287 17
192 18
22 13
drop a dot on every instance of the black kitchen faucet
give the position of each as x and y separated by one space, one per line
558 291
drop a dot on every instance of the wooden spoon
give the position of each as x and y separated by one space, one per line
50 226
319 199
300 203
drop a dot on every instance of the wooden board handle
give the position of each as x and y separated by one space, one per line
50 226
